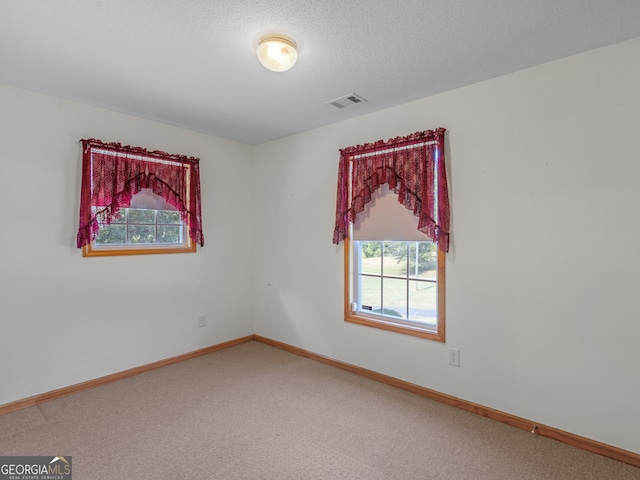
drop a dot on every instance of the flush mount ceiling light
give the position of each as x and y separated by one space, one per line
277 52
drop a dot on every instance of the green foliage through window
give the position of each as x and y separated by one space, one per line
397 279
137 226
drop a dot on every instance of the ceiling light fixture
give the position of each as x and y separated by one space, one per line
277 52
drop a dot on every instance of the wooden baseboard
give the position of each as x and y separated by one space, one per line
583 443
61 392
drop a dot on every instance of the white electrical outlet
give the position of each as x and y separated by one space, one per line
202 321
454 357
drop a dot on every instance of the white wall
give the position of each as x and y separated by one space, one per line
65 319
544 272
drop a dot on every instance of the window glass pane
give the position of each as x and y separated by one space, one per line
138 226
137 215
422 260
169 233
399 297
394 297
371 257
120 217
370 297
111 234
394 259
423 301
117 218
169 217
142 234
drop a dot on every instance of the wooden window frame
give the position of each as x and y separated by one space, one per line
111 251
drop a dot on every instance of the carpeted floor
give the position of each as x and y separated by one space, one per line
256 412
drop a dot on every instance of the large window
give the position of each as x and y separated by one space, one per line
397 286
392 212
134 201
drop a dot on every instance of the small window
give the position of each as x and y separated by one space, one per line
135 202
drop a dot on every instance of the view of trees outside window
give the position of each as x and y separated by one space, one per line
134 226
398 279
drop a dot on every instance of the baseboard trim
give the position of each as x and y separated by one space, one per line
62 392
583 443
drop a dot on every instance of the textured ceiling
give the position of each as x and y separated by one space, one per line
192 63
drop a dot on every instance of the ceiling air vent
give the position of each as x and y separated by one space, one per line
346 101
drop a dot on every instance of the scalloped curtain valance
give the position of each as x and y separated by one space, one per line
112 174
414 168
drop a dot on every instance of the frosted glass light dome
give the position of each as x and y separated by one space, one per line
277 52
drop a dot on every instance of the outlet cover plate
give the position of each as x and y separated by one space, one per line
454 357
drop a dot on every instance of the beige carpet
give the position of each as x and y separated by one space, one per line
255 412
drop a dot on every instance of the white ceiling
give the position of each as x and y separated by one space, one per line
192 63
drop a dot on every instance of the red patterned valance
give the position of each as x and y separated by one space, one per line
413 166
112 174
